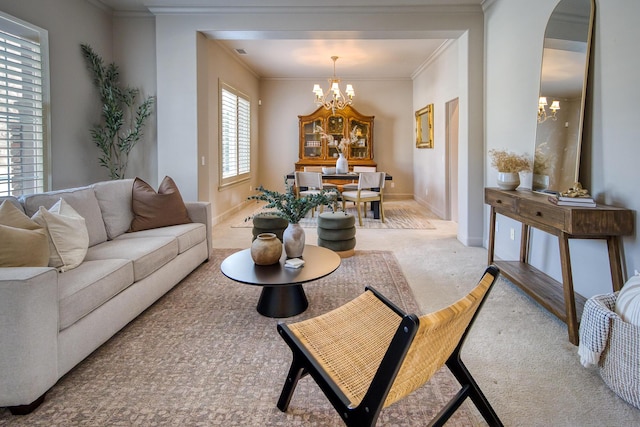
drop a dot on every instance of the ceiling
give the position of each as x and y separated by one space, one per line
368 55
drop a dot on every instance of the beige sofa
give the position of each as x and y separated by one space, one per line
51 321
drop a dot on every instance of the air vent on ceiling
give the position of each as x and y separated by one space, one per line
241 51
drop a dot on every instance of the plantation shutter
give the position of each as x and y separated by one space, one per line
235 140
22 115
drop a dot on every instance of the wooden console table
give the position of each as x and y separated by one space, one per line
566 222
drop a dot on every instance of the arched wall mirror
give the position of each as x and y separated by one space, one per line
563 81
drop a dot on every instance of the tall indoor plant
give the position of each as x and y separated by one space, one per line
122 118
286 205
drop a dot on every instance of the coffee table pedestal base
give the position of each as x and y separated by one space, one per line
282 301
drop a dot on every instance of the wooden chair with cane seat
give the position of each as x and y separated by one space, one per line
370 189
368 354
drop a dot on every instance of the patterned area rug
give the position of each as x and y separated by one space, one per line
398 214
203 356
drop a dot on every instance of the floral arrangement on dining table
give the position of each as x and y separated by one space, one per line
286 205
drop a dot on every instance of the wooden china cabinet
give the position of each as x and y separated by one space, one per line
315 151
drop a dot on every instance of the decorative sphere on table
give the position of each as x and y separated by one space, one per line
266 249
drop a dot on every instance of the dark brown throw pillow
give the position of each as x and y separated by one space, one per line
161 209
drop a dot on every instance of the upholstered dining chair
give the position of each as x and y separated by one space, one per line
325 185
370 189
308 183
369 354
357 169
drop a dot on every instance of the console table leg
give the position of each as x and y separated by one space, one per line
569 296
613 243
492 235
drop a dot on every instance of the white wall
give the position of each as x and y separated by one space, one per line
388 100
514 32
177 63
74 108
436 84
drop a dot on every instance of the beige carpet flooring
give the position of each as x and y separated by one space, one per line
399 214
203 356
517 351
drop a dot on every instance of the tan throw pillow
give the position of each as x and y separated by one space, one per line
68 235
23 242
161 209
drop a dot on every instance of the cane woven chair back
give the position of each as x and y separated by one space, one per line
368 354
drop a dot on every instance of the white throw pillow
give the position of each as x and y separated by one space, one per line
628 302
68 235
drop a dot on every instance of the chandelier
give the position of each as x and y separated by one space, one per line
334 98
542 110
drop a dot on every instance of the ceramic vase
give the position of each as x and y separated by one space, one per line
293 239
508 180
526 180
540 182
266 249
342 165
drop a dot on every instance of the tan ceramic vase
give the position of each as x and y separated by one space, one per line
266 249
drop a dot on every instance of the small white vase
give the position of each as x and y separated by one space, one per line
342 165
508 180
293 239
540 182
526 180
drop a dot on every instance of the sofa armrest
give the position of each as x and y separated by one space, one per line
201 212
29 333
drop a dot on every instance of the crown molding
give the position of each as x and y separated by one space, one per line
270 10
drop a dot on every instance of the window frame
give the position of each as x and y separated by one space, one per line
22 29
238 176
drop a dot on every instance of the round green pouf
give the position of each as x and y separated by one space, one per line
269 223
337 231
336 220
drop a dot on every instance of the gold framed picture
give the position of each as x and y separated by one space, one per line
424 127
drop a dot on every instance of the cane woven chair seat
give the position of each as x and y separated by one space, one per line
368 354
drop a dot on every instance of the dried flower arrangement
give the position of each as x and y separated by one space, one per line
344 143
541 160
506 161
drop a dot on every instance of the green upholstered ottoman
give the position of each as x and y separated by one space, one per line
337 231
268 223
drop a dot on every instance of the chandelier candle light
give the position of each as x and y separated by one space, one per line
334 98
542 110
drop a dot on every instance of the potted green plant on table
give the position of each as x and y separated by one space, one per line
509 165
286 205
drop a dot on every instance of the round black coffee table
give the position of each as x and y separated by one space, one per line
282 294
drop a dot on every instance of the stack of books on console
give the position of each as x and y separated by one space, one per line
584 202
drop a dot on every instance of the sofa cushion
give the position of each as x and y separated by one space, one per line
82 199
13 201
161 209
114 198
83 289
188 235
68 236
24 243
147 253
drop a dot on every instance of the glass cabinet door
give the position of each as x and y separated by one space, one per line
312 140
359 149
335 128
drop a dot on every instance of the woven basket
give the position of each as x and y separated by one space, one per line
620 361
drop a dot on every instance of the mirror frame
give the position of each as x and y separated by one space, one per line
424 118
540 182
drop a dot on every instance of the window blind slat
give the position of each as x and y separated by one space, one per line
21 111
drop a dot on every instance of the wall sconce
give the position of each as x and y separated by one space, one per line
542 110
